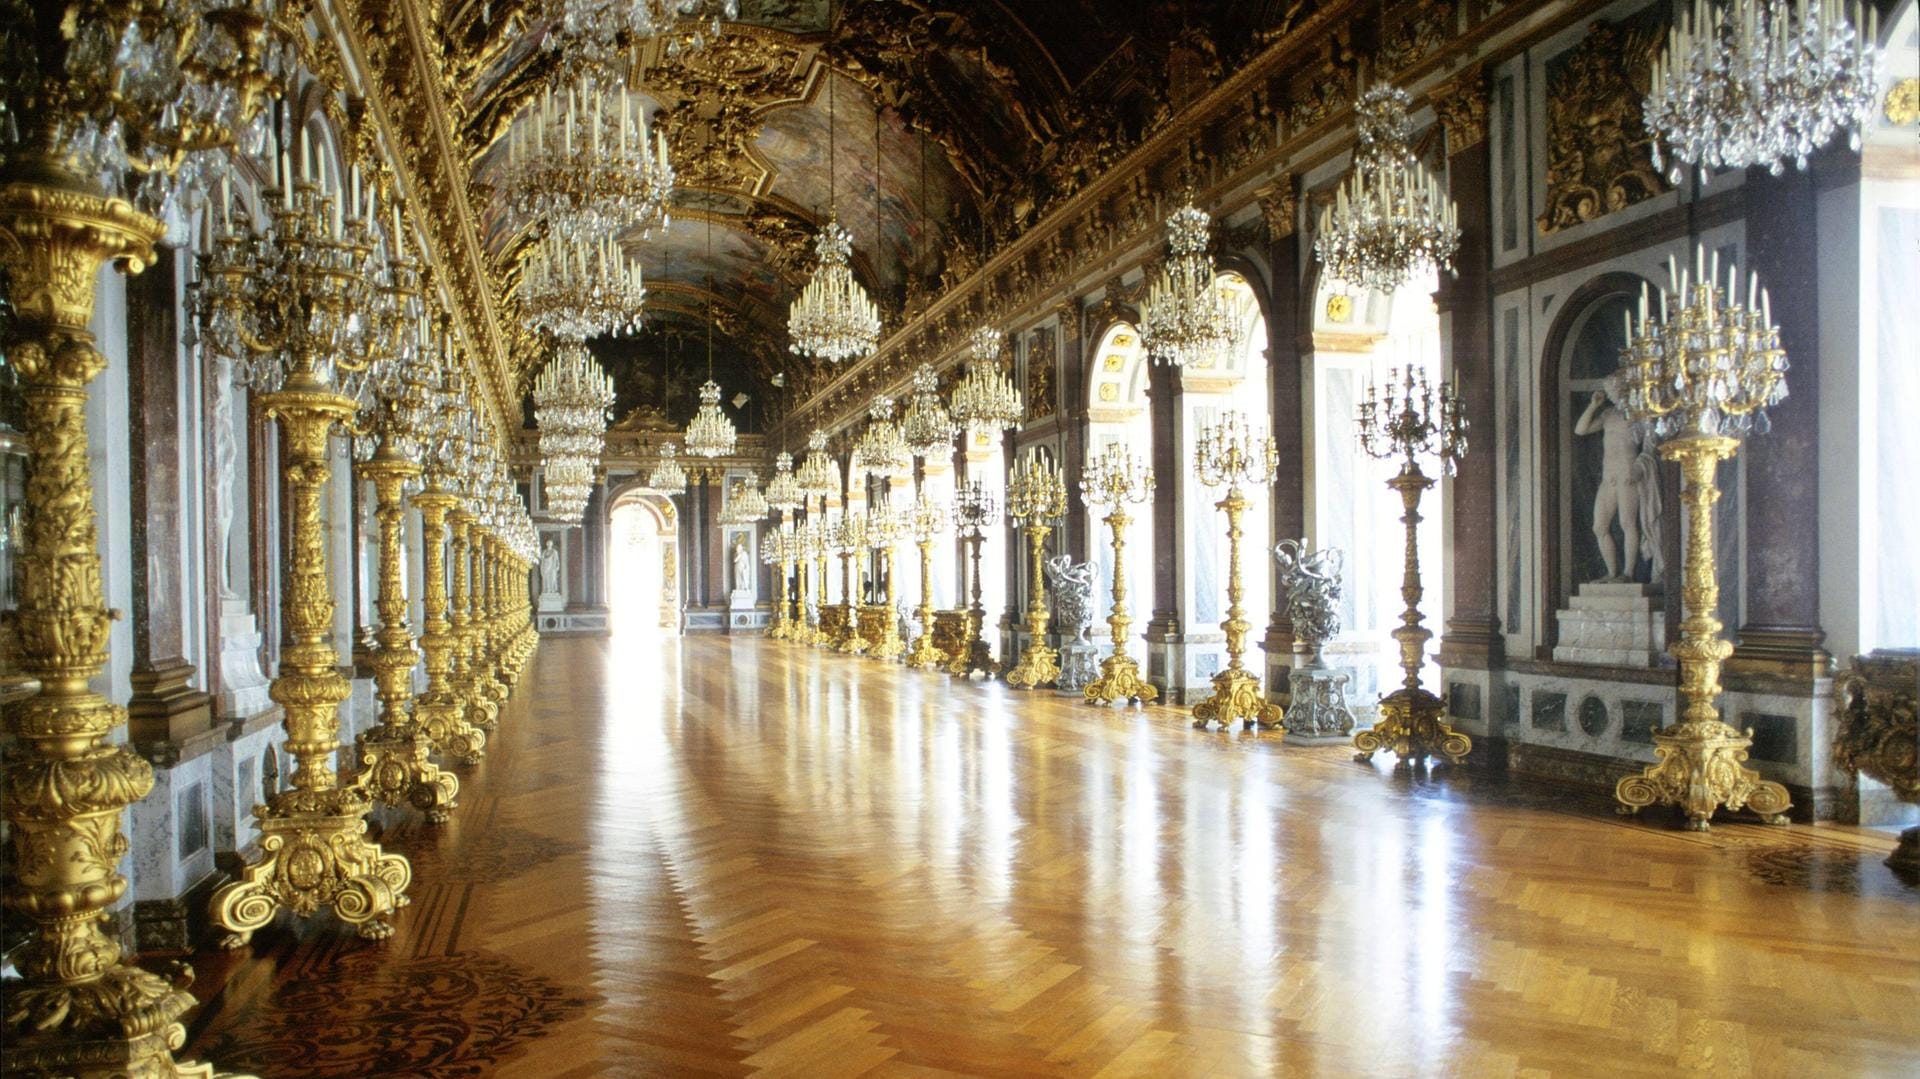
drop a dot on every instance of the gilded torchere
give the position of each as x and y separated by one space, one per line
1700 378
850 541
291 301
481 711
773 555
1113 479
138 97
440 710
1230 453
974 511
925 520
883 531
819 476
1416 421
1036 497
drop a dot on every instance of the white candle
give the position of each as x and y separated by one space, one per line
286 183
226 203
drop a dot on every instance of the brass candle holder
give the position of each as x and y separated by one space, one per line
1701 378
285 302
1037 498
926 520
974 511
1230 453
1113 479
1415 421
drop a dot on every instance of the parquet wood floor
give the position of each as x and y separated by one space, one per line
721 857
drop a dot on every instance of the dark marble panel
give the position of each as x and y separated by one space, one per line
1463 700
1639 719
1593 716
1549 712
1775 738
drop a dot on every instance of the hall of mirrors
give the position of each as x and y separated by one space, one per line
601 537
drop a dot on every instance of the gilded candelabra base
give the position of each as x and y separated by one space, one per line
395 770
1039 665
975 656
1237 695
1699 766
1120 681
1700 769
889 646
315 854
851 643
923 656
96 1034
444 719
1412 726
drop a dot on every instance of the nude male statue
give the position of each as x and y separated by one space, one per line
1629 487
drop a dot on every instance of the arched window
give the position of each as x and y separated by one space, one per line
1117 412
643 564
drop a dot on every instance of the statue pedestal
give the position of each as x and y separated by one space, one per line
1616 625
740 599
1319 714
552 601
243 686
1079 666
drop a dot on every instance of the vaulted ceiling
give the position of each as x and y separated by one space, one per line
952 126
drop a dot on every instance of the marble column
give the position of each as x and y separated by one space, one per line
1163 630
1287 326
1465 301
1780 632
165 708
1074 429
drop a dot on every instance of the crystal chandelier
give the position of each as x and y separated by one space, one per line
1389 220
153 93
834 319
1186 319
881 450
745 504
928 427
783 490
593 38
667 476
818 474
570 402
572 290
985 397
1755 82
582 161
710 433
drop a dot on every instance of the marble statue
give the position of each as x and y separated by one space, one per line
1629 487
226 456
1071 585
1317 711
742 565
550 568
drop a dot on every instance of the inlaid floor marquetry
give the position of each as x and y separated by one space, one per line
719 857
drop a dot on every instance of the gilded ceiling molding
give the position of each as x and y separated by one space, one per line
390 40
1279 207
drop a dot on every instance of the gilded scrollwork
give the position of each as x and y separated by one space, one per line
1599 153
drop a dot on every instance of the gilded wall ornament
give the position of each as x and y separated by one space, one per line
1041 359
1599 153
1462 107
1903 102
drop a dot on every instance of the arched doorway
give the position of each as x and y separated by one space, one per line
643 564
1117 412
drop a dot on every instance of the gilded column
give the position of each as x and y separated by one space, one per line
481 711
439 710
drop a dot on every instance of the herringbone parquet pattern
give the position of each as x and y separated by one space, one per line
752 859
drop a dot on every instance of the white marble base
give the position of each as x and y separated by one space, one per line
552 601
572 623
1615 625
740 599
243 685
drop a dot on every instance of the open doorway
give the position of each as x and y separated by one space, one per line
643 588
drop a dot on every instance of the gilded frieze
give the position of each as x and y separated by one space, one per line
1599 154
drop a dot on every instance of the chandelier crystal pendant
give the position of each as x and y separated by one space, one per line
783 490
834 319
570 402
667 476
1756 82
928 427
594 39
710 433
1390 220
985 397
1187 320
572 290
584 162
881 450
745 504
819 475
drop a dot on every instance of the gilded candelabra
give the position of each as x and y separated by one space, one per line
925 521
1113 479
1233 455
775 555
290 304
441 710
1414 421
850 541
974 511
393 753
479 709
140 97
1700 378
1036 497
883 531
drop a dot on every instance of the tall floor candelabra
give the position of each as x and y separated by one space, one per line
440 709
773 555
974 511
1408 423
1037 498
289 304
850 539
883 531
925 520
1702 377
1113 479
1231 454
